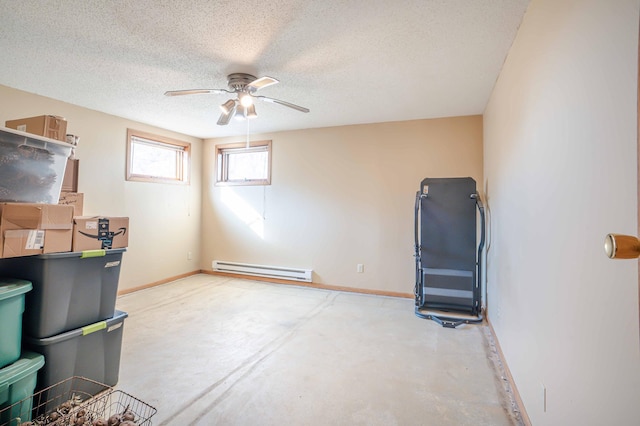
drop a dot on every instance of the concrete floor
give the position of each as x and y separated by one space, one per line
211 350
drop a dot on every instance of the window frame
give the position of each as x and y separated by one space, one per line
183 176
221 168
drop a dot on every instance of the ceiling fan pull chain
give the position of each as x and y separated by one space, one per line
247 120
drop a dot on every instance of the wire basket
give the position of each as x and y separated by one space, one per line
65 402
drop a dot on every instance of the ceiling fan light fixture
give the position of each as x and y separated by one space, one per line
228 107
241 113
246 100
226 116
250 111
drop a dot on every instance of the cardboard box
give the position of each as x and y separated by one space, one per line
28 228
75 199
95 233
50 126
70 181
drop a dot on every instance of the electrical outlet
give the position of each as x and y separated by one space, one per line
189 256
360 268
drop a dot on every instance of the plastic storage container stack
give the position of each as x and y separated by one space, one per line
18 371
70 315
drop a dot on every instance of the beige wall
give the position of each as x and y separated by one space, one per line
164 219
560 173
339 196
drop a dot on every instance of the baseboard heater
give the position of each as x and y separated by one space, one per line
279 272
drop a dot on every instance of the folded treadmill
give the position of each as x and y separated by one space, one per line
447 251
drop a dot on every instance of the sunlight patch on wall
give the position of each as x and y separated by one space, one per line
243 210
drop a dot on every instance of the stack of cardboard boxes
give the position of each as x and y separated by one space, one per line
29 228
40 228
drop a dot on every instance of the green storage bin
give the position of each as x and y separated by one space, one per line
12 294
17 384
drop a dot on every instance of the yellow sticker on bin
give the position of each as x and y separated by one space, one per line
94 327
93 253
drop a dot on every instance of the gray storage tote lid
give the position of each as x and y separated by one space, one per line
109 325
10 287
87 254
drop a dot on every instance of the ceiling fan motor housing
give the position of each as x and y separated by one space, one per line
239 81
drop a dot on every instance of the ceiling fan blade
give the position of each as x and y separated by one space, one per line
261 82
287 104
194 92
225 118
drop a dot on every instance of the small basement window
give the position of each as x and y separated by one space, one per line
237 164
152 158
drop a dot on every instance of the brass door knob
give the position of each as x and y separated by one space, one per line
619 246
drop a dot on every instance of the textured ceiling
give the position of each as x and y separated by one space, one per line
348 61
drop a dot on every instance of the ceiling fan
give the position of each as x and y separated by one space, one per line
245 86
